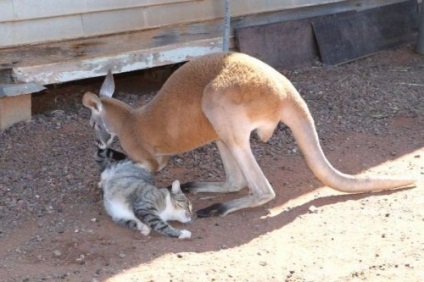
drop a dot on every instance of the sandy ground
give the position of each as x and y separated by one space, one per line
369 116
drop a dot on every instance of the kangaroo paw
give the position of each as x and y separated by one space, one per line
185 187
214 210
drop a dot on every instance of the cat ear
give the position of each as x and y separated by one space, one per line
108 86
176 189
92 102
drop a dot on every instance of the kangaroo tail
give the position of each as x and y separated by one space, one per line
296 116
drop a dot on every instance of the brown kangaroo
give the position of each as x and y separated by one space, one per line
221 98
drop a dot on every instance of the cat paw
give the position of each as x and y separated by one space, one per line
185 234
145 230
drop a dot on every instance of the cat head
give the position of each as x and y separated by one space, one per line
181 206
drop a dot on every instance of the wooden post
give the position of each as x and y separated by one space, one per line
15 99
420 40
14 109
227 21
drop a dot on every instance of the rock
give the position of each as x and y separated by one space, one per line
81 259
57 253
313 209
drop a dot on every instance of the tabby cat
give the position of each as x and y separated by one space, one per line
131 198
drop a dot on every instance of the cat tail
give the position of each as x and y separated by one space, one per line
108 156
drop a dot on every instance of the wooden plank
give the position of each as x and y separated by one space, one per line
287 45
107 46
29 9
10 90
18 33
93 20
64 20
345 38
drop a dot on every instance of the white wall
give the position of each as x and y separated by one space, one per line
36 21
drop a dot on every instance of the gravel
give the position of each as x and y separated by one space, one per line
47 168
47 163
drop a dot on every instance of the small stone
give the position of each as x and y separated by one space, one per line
55 113
60 229
57 253
81 259
121 255
313 209
263 263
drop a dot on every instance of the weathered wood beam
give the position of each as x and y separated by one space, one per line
123 62
10 90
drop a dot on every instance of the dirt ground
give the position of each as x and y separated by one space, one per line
369 115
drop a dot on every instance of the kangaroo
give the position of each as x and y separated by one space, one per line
221 98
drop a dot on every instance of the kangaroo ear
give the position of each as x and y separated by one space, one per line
92 102
108 86
176 189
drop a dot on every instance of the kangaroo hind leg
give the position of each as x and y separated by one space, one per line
260 189
234 178
234 128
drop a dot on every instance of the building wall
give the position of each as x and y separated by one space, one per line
168 32
38 21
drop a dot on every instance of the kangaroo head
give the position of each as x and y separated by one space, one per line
99 120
